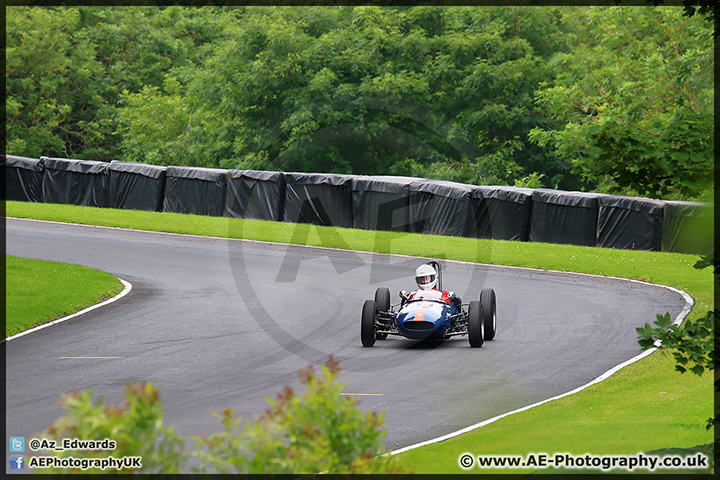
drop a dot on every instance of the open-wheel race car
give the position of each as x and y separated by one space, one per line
429 313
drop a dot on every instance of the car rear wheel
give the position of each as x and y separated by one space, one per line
475 324
382 298
487 299
367 327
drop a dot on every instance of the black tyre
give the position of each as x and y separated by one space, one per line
382 298
487 299
475 324
367 327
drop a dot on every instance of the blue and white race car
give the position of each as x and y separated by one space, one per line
429 314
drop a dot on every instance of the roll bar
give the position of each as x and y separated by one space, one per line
436 265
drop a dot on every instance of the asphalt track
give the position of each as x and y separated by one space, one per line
218 323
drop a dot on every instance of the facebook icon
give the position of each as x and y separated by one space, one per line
17 462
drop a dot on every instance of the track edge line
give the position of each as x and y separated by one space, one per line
689 303
127 288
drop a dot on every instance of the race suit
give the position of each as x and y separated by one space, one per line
435 295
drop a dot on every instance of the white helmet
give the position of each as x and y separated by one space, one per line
425 277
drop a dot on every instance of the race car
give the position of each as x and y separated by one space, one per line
429 314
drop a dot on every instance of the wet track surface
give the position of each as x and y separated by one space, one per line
218 323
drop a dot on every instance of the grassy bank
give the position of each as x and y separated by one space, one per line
39 291
646 406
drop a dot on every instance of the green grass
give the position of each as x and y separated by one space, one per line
643 407
646 406
39 291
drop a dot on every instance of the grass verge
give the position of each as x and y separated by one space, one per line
39 291
646 406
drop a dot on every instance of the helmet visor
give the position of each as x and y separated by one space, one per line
425 279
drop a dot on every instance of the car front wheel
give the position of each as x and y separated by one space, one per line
367 327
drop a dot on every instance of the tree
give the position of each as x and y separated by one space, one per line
51 74
705 8
159 126
473 94
636 100
67 68
446 92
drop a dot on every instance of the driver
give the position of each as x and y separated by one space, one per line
426 279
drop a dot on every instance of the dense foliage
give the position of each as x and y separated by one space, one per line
595 98
316 431
135 425
636 101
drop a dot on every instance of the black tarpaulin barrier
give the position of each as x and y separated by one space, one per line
381 202
255 194
439 207
630 223
136 186
23 178
319 199
688 227
196 190
564 217
75 182
502 212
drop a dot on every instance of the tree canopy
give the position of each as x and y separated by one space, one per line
595 98
636 101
